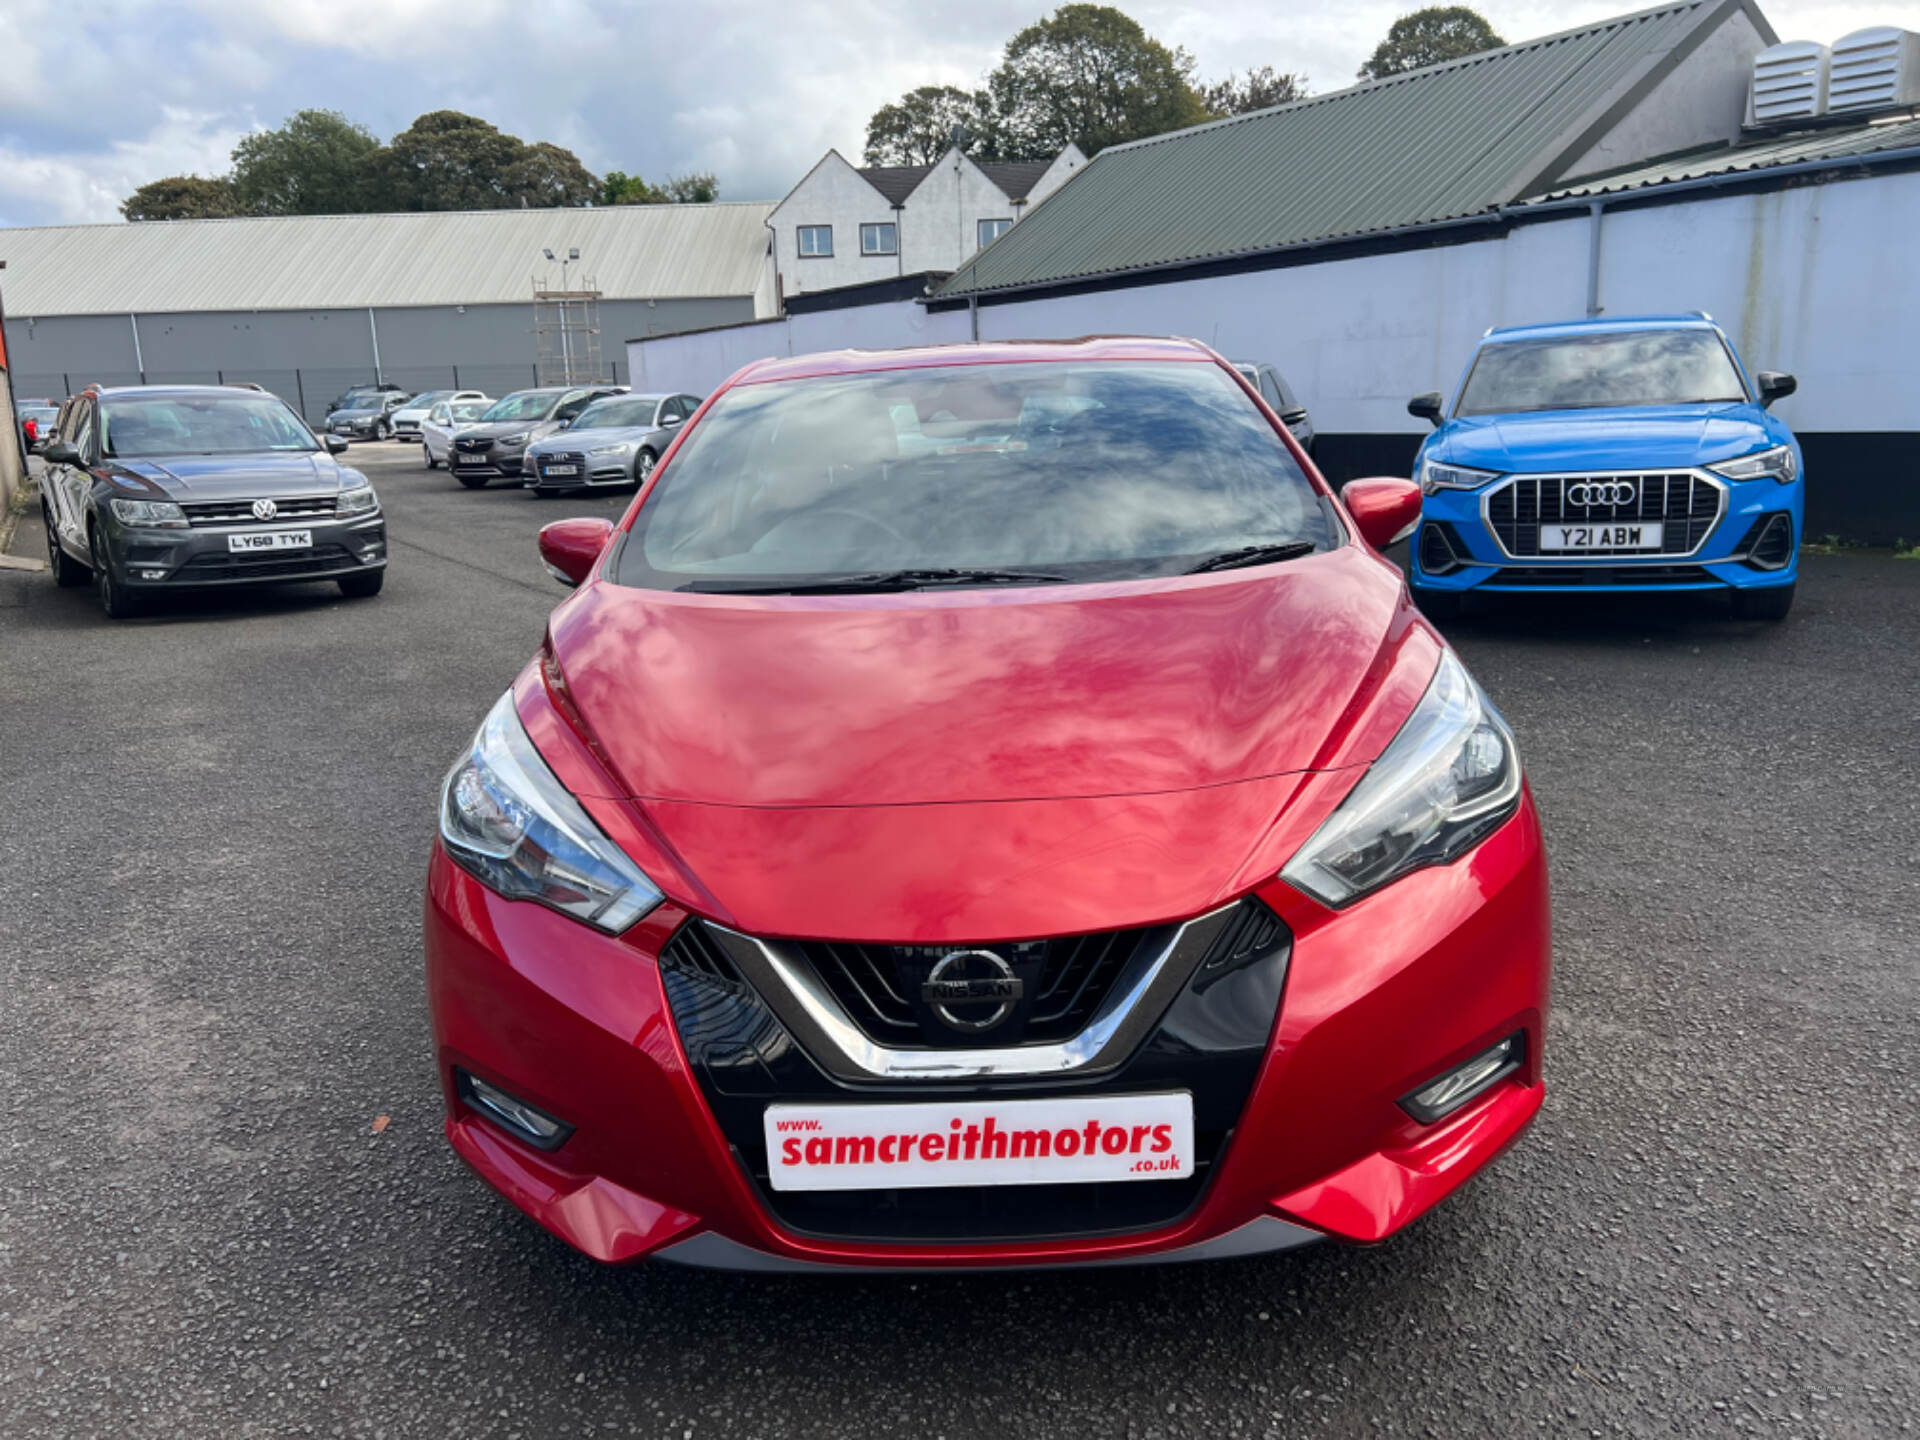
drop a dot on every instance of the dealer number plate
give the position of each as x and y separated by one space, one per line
271 540
560 470
1637 535
985 1142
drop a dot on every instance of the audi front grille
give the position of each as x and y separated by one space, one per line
1686 503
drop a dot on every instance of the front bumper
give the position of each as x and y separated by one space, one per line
587 470
1467 557
173 559
496 463
1378 999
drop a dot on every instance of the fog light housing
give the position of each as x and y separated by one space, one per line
515 1116
1444 1094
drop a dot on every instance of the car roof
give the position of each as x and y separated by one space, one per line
1691 320
112 390
998 352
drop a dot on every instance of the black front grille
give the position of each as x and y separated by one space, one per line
1440 548
1602 575
1063 982
265 565
240 512
1768 543
1685 504
1210 1042
472 444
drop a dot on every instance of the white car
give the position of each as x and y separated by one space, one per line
445 420
411 417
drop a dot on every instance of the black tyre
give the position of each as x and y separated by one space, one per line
116 599
1773 603
363 586
427 450
1438 606
472 482
381 430
643 467
68 573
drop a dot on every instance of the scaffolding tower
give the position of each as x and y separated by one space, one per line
566 335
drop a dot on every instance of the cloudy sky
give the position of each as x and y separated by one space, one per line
103 97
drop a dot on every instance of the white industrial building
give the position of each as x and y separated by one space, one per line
1363 241
307 305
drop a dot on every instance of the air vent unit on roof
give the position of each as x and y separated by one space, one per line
1877 69
1789 83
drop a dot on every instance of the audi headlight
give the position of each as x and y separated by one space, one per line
162 513
357 501
507 820
620 449
1774 464
1450 778
1435 475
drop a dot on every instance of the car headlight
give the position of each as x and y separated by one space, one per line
1450 778
1435 475
620 449
357 501
508 821
513 439
162 513
1774 464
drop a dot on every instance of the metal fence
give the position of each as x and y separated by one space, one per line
310 391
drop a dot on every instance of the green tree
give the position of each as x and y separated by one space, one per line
619 188
1261 90
697 187
545 176
182 197
918 127
449 161
316 163
1087 74
1427 37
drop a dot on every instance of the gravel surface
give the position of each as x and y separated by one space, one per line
211 849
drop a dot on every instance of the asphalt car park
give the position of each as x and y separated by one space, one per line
228 1207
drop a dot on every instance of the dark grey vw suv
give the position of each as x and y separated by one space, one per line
150 489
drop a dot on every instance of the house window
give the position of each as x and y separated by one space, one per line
815 240
879 240
992 230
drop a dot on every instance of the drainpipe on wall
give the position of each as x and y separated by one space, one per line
374 331
973 313
139 362
899 242
1593 259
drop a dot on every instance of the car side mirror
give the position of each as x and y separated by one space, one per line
671 420
335 444
1384 509
58 452
1775 385
568 548
1427 407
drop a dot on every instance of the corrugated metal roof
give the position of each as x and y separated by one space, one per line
314 262
1449 141
1864 141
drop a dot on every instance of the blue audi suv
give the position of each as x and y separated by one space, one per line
1609 455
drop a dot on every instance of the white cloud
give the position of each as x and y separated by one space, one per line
76 186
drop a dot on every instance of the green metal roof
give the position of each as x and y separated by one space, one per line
1443 143
1862 142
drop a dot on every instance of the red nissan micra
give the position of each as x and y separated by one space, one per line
986 806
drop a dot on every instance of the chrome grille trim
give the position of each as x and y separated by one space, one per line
239 513
1669 488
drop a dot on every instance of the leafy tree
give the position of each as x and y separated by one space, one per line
918 127
695 188
317 163
1427 37
619 188
1087 74
545 175
449 161
1261 90
182 197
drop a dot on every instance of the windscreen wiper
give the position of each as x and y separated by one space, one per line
1254 555
879 580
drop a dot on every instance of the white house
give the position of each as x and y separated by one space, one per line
843 226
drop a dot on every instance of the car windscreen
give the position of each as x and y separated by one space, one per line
524 405
470 409
1603 371
618 412
233 424
1088 471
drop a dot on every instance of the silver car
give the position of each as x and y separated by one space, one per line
444 421
615 441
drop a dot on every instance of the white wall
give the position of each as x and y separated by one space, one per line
833 193
1807 280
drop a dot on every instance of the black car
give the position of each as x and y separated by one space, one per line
356 396
1281 398
496 447
155 489
368 417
